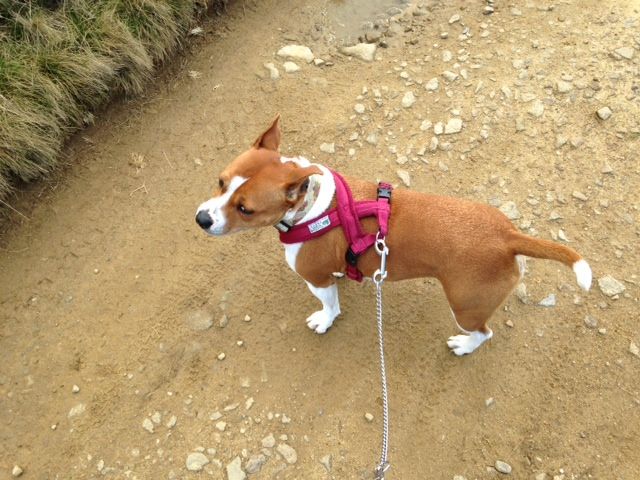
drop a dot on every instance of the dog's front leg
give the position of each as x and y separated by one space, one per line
321 320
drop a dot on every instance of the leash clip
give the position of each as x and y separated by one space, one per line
381 249
381 470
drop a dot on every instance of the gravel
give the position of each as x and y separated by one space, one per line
610 286
298 52
234 470
147 424
363 51
328 147
408 99
255 463
604 113
510 210
503 467
288 453
196 461
454 125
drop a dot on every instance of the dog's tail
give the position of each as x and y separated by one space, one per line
522 244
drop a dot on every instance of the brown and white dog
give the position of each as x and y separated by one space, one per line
471 248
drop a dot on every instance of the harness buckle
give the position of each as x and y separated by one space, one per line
351 257
384 191
283 226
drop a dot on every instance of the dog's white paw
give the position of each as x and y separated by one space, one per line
319 321
465 344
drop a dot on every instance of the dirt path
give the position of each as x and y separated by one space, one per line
106 284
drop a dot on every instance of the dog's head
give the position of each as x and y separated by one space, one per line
256 189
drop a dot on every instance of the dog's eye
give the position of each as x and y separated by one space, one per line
244 210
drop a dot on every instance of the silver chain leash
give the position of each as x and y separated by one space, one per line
378 278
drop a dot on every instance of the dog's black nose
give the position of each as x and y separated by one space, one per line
204 219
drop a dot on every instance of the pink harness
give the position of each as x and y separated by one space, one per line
348 214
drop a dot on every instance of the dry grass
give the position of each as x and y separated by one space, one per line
61 59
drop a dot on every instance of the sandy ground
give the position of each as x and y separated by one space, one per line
110 286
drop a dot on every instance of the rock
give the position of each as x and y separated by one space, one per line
290 67
459 477
326 462
604 113
372 139
288 453
147 424
359 108
590 322
450 76
488 10
537 109
408 99
17 471
503 467
196 461
447 56
363 51
172 421
425 125
541 476
224 321
521 292
75 389
548 301
579 195
222 356
625 52
454 18
79 409
404 176
510 210
432 85
610 286
299 52
633 348
454 125
328 147
373 36
273 71
221 425
255 463
368 417
563 87
199 320
269 441
234 470
156 418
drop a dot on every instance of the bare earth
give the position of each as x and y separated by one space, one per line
105 285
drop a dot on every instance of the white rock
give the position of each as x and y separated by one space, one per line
290 67
563 87
604 113
408 99
447 56
273 71
432 85
372 139
75 389
537 109
510 210
234 470
363 51
454 125
269 441
288 453
79 409
326 462
359 108
454 18
221 425
521 292
196 461
548 301
328 147
610 286
368 417
633 348
156 418
299 52
625 52
404 176
147 424
172 421
438 128
450 76
199 320
503 467
425 125
255 463
17 471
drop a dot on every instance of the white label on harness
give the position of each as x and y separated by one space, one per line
320 224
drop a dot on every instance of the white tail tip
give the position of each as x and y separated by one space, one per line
583 274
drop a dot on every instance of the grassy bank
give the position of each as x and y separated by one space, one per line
61 59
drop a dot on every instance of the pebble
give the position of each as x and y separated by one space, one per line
156 418
290 67
503 467
172 421
234 470
326 462
432 85
75 389
221 426
604 113
404 176
425 125
147 424
488 10
454 18
288 453
222 356
454 125
459 477
625 52
269 441
450 76
247 318
548 301
633 348
79 409
438 128
224 321
521 292
537 109
296 51
363 51
17 471
196 461
579 195
328 147
563 87
510 210
255 463
408 99
372 139
273 71
610 286
590 322
368 417
359 108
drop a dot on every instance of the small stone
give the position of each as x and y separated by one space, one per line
454 125
537 109
172 421
408 99
509 323
372 139
459 477
247 318
425 125
221 426
363 51
199 320
296 51
604 113
521 292
249 403
625 52
563 87
432 85
222 356
520 127
541 476
359 108
373 36
290 67
590 322
516 12
443 166
579 195
633 348
79 409
273 71
606 169
489 402
288 453
510 210
269 441
503 467
156 418
404 176
224 321
488 10
447 56
368 417
450 76
326 462
16 471
454 18
548 301
234 470
255 463
75 389
328 147
610 286
147 424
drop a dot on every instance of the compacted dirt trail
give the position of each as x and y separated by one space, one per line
133 346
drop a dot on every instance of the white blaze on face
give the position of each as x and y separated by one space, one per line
215 206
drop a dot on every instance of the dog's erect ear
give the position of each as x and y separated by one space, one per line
270 138
298 182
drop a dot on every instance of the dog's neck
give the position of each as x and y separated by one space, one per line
319 194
